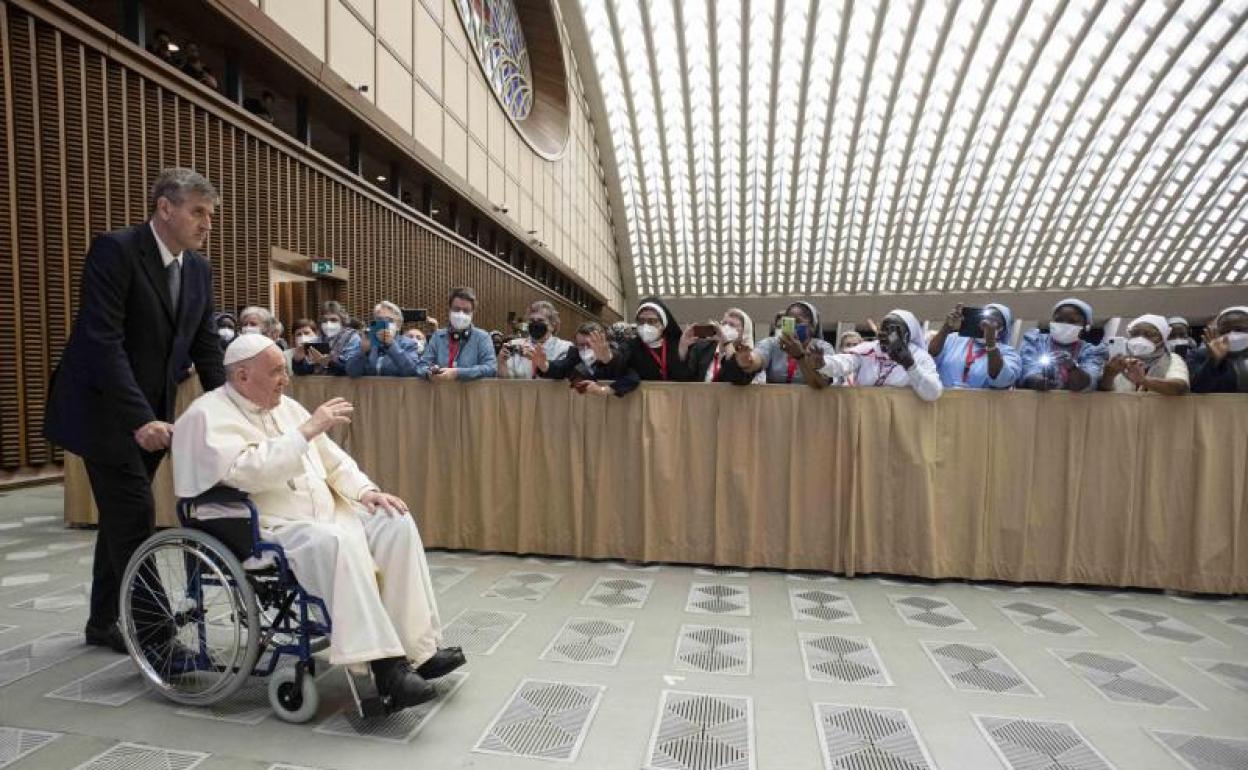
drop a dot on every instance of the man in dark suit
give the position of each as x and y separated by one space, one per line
146 309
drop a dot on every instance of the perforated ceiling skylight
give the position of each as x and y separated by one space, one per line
811 146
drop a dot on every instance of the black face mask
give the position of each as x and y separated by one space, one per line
537 329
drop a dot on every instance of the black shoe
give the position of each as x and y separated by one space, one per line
109 636
443 662
403 686
170 657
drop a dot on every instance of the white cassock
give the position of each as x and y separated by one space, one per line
308 496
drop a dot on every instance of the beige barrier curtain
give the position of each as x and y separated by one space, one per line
1109 489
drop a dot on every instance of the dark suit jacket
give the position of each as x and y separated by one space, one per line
118 370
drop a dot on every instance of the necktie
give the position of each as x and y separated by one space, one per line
173 274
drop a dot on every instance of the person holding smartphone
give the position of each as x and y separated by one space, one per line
336 334
796 354
896 359
970 352
527 357
1147 364
1060 358
382 351
710 349
653 353
461 352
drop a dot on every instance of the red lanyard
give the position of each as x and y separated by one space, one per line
660 359
715 368
885 368
971 357
792 369
452 352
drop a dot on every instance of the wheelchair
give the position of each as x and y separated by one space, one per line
209 604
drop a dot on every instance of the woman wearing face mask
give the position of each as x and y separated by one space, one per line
525 359
582 364
1058 359
256 320
1147 365
1221 364
791 358
303 333
897 359
337 334
654 353
982 362
225 328
713 359
1180 340
461 352
382 351
417 335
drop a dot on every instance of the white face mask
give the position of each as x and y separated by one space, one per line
730 333
330 328
304 339
587 356
249 329
419 343
225 333
1178 343
1141 347
1237 342
460 320
1064 334
649 334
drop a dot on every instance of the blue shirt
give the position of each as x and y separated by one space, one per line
951 362
475 358
398 359
1084 355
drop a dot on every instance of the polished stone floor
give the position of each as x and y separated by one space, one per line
605 665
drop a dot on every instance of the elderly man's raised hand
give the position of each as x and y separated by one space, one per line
332 413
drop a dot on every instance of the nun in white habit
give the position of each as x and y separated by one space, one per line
348 542
898 359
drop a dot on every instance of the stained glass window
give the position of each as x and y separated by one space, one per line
494 31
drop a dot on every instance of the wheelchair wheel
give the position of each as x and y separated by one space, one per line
293 703
189 617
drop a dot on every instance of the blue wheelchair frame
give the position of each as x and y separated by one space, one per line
286 591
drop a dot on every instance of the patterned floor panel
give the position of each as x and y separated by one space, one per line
543 720
821 605
713 650
718 599
1160 627
114 685
1028 744
399 727
624 593
1036 618
1122 679
846 659
930 612
977 668
137 756
523 586
480 631
702 731
592 641
867 738
16 743
1204 752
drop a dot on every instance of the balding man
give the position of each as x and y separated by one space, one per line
340 532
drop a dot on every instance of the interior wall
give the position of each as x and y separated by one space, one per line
420 71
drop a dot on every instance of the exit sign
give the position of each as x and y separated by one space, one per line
322 266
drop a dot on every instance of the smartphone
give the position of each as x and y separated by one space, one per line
703 331
320 347
788 324
418 316
1117 346
972 317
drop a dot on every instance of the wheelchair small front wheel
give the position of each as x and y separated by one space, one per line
291 700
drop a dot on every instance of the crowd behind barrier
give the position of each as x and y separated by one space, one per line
971 348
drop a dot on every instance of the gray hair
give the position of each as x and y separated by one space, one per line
176 183
542 306
393 308
266 317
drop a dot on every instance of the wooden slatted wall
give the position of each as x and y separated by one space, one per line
81 137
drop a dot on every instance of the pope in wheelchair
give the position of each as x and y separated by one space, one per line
354 551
